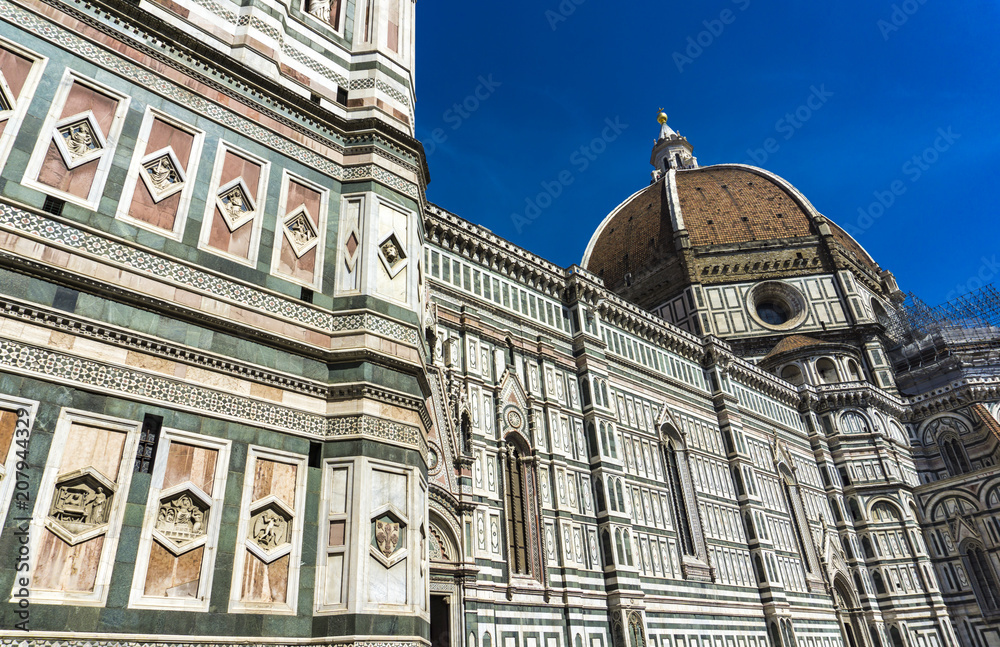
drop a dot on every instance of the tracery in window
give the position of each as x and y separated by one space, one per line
984 579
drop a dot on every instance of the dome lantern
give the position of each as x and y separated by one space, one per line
671 150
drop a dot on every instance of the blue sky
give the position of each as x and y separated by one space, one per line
558 98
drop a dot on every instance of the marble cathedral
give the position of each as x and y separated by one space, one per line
255 389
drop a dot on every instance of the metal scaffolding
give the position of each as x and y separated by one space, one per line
972 318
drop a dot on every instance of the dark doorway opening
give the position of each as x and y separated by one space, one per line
440 621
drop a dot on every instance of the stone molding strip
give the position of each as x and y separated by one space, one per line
50 365
45 640
60 234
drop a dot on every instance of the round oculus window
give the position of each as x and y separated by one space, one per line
772 312
776 305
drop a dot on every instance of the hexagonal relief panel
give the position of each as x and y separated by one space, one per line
182 520
81 505
388 536
270 531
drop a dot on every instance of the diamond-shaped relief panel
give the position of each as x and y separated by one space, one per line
388 534
162 174
352 244
392 254
79 139
6 97
81 501
182 517
301 232
235 203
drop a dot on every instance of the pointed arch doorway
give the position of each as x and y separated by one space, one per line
446 576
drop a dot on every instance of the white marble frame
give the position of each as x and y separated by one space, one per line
371 218
413 553
21 104
137 597
357 264
67 418
135 171
321 229
323 549
290 606
30 407
259 203
46 138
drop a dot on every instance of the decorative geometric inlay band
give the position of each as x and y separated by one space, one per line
243 295
23 641
195 102
24 358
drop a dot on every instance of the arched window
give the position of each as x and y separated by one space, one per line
518 484
487 641
880 314
793 374
621 497
620 547
637 637
854 370
628 547
879 583
772 634
604 439
681 520
896 637
980 567
852 505
953 453
853 422
759 569
827 371
599 494
866 545
795 513
611 441
607 554
592 447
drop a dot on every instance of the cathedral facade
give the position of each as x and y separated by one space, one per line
255 389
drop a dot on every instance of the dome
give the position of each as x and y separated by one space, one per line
725 211
727 204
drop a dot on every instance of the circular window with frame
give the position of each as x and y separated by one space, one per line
776 306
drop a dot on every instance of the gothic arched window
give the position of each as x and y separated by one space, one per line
517 470
682 521
979 565
796 513
953 453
